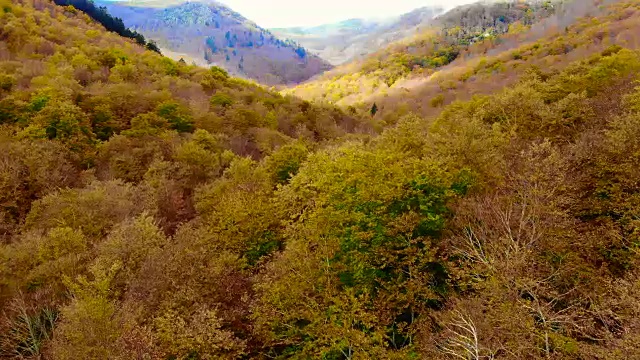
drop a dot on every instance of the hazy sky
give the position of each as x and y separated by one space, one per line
286 13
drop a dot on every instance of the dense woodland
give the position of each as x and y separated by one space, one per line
155 210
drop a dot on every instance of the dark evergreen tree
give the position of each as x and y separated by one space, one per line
151 45
114 24
374 109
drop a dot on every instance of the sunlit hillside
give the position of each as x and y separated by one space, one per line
431 48
478 56
154 210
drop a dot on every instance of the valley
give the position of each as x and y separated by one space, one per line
460 182
355 38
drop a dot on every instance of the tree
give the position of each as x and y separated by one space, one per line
374 109
151 45
177 115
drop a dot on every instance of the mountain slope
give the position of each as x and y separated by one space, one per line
352 39
575 31
209 33
436 45
66 80
471 49
101 15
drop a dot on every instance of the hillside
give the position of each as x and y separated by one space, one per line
352 39
90 99
209 33
575 31
460 33
102 16
150 209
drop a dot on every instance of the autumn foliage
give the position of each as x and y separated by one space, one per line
153 210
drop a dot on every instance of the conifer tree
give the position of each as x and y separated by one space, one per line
374 109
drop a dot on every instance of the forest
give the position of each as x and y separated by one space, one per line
102 16
424 53
151 209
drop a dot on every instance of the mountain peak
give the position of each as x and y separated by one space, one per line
160 3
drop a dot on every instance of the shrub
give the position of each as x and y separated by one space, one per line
7 82
30 170
221 100
437 101
284 163
178 116
198 335
26 329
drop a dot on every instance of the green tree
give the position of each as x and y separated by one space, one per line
374 109
178 116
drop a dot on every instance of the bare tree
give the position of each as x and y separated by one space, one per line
463 340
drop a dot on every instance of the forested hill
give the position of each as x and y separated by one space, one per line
427 50
101 15
207 33
472 49
154 210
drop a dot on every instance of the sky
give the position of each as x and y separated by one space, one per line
290 13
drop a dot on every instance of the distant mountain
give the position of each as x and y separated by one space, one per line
351 39
208 33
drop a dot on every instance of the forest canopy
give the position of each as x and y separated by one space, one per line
150 209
